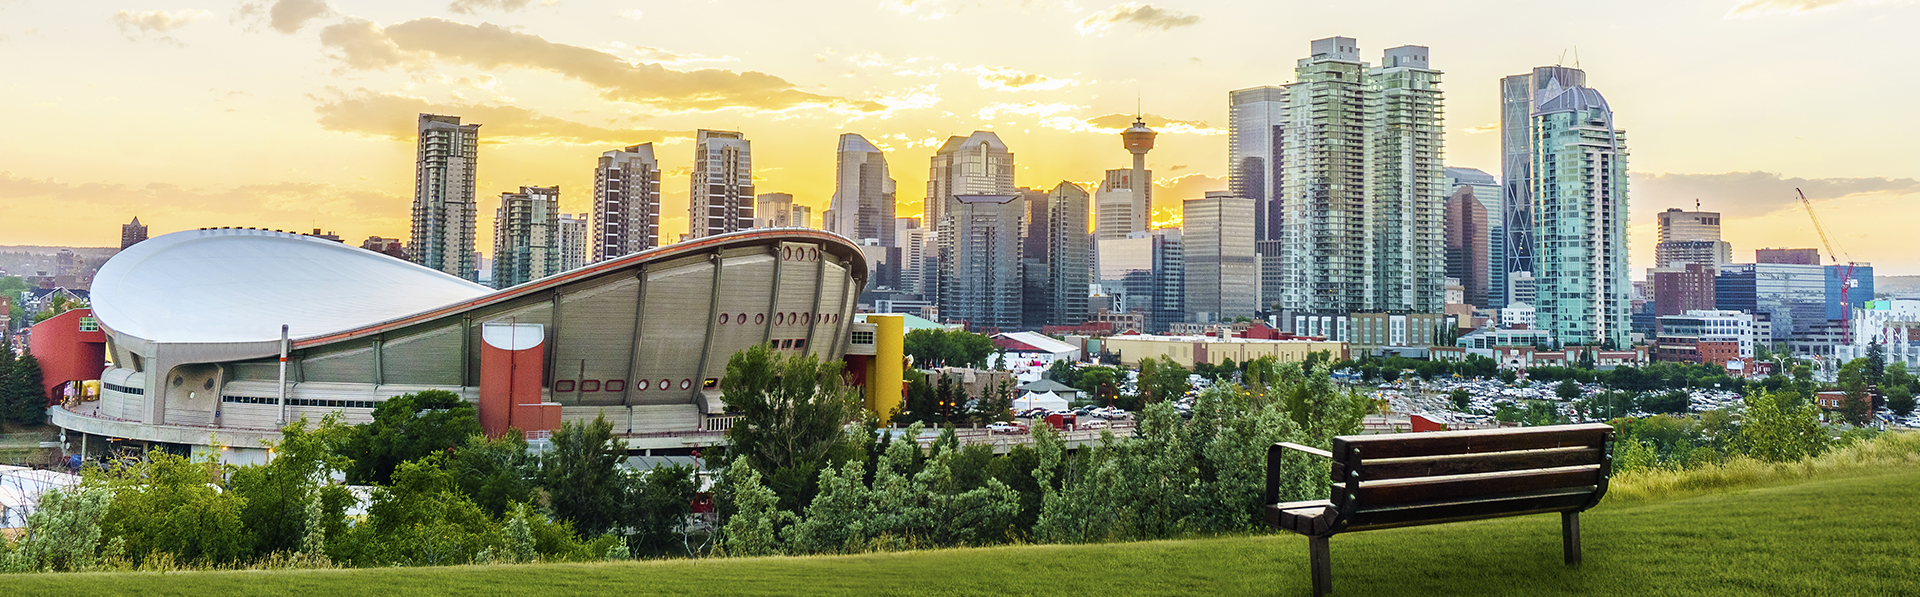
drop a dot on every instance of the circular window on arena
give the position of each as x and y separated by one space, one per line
759 319
813 254
742 318
666 384
779 319
686 383
806 318
724 317
641 386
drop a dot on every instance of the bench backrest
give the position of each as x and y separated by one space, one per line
1383 481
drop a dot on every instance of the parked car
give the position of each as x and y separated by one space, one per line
1007 428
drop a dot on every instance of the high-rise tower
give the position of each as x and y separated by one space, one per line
1124 202
132 233
443 202
1257 124
626 202
863 193
526 236
1579 190
1519 94
976 165
720 195
1359 201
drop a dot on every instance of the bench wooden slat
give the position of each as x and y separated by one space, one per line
1377 494
1470 442
1560 500
1433 466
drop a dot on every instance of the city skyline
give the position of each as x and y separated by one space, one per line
208 77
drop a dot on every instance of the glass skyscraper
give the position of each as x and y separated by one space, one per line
1486 189
1579 173
1519 94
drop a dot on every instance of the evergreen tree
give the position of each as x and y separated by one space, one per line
25 399
582 477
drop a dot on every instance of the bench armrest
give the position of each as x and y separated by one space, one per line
1273 465
1310 450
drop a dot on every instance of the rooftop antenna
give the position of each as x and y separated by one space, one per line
1696 204
1563 59
1576 56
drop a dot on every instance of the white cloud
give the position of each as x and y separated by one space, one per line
1006 79
1485 128
1146 16
932 10
156 22
993 111
632 13
1753 9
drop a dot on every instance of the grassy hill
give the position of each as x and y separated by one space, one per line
1853 536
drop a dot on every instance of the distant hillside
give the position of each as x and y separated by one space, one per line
1897 286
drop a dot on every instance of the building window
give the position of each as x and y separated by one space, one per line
89 324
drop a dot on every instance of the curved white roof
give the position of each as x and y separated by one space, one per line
237 285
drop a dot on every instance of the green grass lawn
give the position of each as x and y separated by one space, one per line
1855 536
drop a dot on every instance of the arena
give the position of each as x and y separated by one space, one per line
193 322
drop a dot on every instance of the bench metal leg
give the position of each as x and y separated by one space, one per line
1570 536
1322 563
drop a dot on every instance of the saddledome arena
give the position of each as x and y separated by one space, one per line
193 325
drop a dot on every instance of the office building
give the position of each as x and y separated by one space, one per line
1683 288
1583 289
1691 237
915 254
1892 324
1519 95
776 210
1792 297
1361 191
1486 188
1146 272
526 236
132 233
1257 120
574 233
1119 208
1054 257
981 282
392 247
444 211
626 202
1467 242
1222 273
1787 256
720 191
1705 336
863 193
978 165
1857 279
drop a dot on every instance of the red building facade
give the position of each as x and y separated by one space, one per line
71 348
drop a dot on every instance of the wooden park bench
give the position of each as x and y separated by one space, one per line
1398 480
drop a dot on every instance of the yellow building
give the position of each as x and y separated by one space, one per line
1187 350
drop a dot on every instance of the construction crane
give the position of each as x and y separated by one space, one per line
1846 275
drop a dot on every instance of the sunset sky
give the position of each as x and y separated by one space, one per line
299 114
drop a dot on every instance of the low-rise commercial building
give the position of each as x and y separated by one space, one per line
1187 350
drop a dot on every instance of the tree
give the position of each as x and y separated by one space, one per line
167 504
57 303
421 519
496 473
1773 434
1162 380
792 413
1461 399
1508 376
582 477
63 532
658 501
25 399
1064 372
1099 381
407 427
1670 402
934 348
1876 363
1857 406
278 494
1900 400
1568 390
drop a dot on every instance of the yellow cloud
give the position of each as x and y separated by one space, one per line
1147 16
1001 78
417 43
393 116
